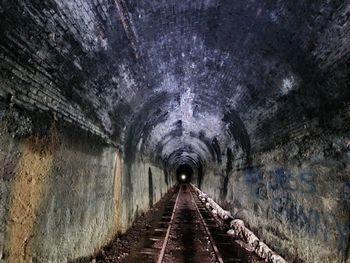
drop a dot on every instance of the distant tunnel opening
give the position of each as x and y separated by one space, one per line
184 173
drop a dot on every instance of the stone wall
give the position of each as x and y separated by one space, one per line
57 192
143 185
236 89
63 189
294 195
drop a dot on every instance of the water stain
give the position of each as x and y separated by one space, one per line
150 187
118 193
32 174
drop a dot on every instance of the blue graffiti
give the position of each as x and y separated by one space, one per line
276 187
345 191
253 175
282 179
308 182
308 220
344 232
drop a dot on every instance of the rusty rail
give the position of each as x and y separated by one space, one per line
216 250
165 242
162 252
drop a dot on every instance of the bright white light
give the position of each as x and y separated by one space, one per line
288 84
183 177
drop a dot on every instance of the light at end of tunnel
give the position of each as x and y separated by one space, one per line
183 177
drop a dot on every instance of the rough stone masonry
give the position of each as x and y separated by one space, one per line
102 100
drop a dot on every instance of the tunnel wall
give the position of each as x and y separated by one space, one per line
58 196
294 195
142 190
63 189
95 64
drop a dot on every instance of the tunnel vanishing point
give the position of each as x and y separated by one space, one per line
104 103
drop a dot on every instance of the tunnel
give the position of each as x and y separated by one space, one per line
105 104
184 173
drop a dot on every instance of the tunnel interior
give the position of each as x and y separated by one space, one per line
184 173
103 104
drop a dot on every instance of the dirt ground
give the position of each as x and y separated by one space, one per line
188 240
132 240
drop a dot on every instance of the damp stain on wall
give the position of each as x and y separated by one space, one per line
32 173
118 193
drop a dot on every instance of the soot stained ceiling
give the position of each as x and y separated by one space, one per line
232 70
180 81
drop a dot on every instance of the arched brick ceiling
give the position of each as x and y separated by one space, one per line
229 67
176 80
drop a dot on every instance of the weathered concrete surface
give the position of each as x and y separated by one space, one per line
296 195
146 183
61 193
228 87
57 195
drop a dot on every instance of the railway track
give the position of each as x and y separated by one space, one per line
187 232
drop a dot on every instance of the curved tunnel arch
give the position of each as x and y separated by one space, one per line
197 164
160 135
206 149
184 173
252 95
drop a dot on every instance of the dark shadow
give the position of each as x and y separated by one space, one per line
187 235
228 172
184 173
200 175
150 187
